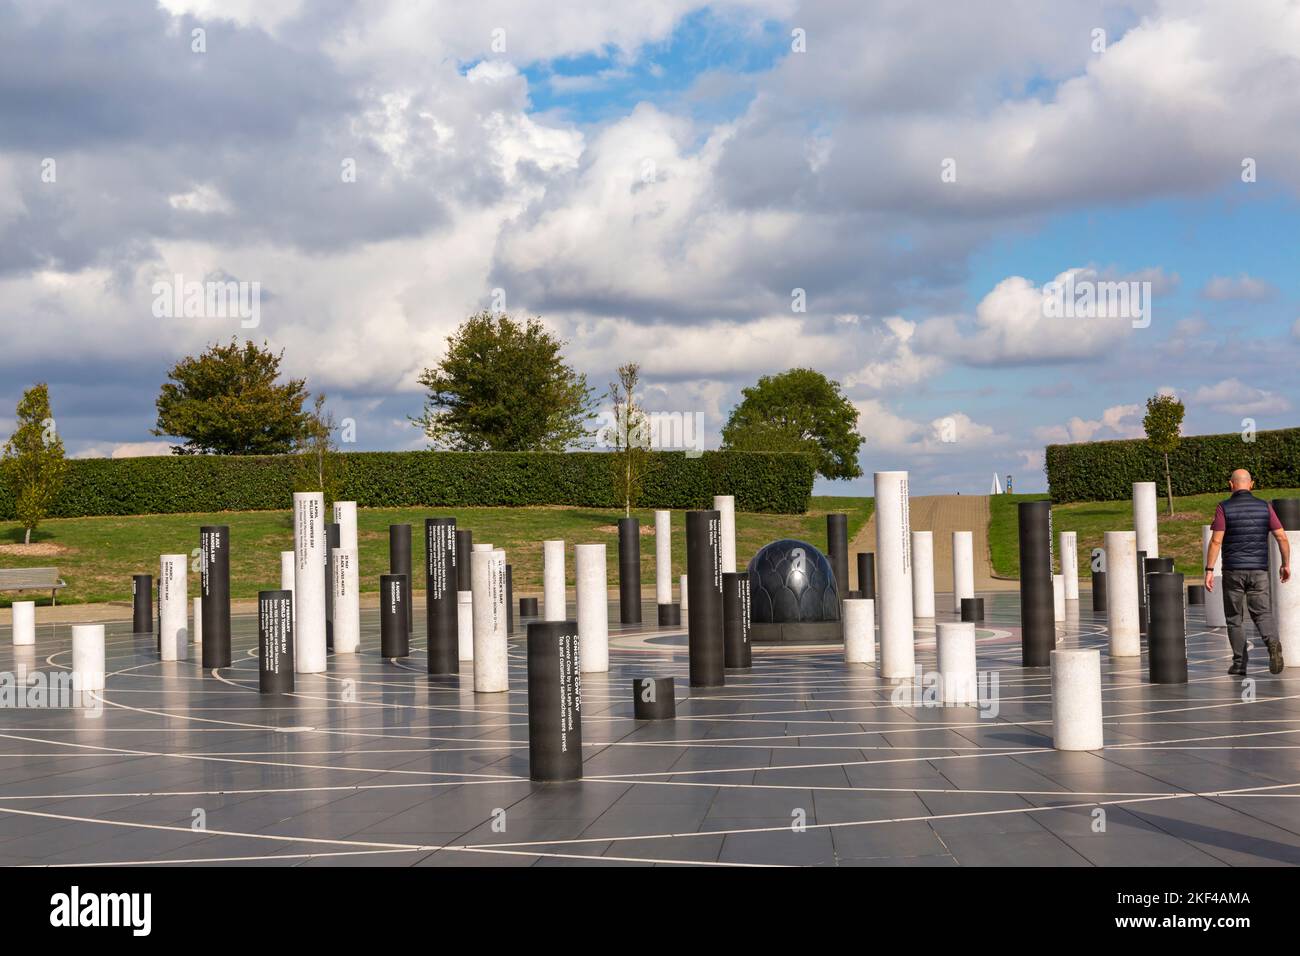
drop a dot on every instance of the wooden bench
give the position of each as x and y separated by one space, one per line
32 579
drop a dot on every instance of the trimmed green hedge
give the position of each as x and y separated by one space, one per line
1106 470
761 481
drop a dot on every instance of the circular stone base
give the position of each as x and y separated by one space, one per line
807 632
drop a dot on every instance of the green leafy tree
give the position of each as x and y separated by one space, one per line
33 461
1163 424
503 386
227 401
319 454
630 436
799 410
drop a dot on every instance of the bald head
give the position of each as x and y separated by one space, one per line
1240 480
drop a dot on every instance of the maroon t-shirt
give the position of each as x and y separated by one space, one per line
1220 523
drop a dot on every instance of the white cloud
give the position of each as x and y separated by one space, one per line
1236 398
953 434
1118 421
131 449
897 365
1248 288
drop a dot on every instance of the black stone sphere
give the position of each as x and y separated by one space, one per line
791 582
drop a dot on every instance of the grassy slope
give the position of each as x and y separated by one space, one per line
105 552
1180 535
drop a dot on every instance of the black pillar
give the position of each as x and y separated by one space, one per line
214 582
629 571
972 609
704 599
1167 632
440 571
394 598
867 574
464 545
274 641
510 600
1195 594
528 607
1288 512
399 562
331 542
737 651
1037 611
142 603
554 701
837 550
1142 591
1099 592
653 698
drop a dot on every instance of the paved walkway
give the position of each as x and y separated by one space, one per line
943 514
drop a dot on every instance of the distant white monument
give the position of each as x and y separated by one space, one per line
997 485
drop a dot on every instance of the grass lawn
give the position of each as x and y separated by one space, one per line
97 556
1180 534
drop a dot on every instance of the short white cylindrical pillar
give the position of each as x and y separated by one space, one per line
894 576
173 607
465 625
488 585
859 616
87 657
197 629
958 678
1122 594
1144 518
1076 695
553 588
682 590
923 574
1215 616
24 623
725 506
482 546
663 557
346 578
593 607
345 516
1058 598
1070 564
963 567
309 583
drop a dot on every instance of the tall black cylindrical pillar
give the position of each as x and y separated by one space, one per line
440 571
510 600
394 596
399 562
1037 611
142 603
1287 511
1167 632
214 583
1099 592
837 550
331 542
629 571
704 599
464 545
554 701
867 574
274 642
737 650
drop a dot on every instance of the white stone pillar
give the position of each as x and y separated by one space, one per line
173 607
1214 613
725 506
1076 694
859 630
309 583
1274 567
87 657
958 678
288 570
1122 594
682 590
963 567
553 587
663 557
1070 564
923 574
465 625
894 576
481 546
345 575
345 516
593 607
197 629
1286 606
488 584
1058 598
1144 518
24 623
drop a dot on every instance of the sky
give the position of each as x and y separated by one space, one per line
883 191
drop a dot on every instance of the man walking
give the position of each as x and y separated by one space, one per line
1241 528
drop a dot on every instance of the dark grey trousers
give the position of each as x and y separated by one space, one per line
1247 591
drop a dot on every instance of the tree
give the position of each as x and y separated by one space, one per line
227 402
1163 424
503 386
319 453
33 460
798 410
630 437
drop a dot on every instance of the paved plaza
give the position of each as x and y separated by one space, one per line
803 760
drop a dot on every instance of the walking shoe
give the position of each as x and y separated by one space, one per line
1237 670
1275 657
